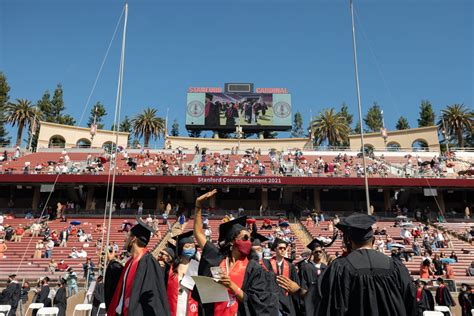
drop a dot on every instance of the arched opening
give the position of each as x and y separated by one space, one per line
420 145
393 146
57 141
368 148
83 143
108 146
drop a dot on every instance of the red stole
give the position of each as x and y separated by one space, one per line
441 289
286 269
237 275
133 263
172 291
418 294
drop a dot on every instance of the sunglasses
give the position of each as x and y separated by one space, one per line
163 254
318 251
281 248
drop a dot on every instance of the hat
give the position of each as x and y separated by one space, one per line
257 239
170 251
12 276
278 241
357 227
182 239
142 231
314 244
229 229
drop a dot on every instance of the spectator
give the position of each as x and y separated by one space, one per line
74 254
53 266
63 238
71 280
49 248
88 268
38 249
25 289
35 229
62 266
3 248
453 256
425 269
449 271
18 233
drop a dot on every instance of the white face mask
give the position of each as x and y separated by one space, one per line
464 288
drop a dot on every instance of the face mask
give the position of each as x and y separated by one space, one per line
464 288
243 246
188 253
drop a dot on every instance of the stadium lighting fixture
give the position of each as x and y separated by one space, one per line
366 180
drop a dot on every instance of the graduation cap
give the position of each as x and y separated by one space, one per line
357 227
278 241
257 239
182 239
314 244
142 231
229 229
12 276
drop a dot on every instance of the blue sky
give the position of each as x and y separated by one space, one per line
408 51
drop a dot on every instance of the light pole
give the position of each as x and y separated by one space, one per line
366 181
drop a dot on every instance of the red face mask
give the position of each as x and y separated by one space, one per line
243 246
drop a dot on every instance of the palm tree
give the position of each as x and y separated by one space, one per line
458 119
147 125
331 126
21 113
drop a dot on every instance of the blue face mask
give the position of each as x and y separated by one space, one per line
188 253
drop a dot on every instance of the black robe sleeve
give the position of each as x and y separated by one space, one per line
112 276
260 290
309 281
60 301
43 295
148 297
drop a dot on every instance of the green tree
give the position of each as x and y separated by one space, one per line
458 120
297 130
148 125
4 97
357 129
402 123
330 126
427 115
175 128
345 113
45 107
373 118
194 133
57 105
21 113
98 112
66 120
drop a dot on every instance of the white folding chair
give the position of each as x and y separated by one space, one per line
34 306
431 313
101 307
443 309
48 311
5 309
83 307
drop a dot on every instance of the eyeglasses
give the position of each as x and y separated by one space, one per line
281 248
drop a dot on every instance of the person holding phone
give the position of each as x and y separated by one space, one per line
252 290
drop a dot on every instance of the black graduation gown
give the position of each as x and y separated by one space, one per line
466 303
60 301
426 302
309 276
289 304
97 297
366 282
148 295
43 297
259 286
11 296
443 297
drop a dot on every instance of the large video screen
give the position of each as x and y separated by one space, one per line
228 110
